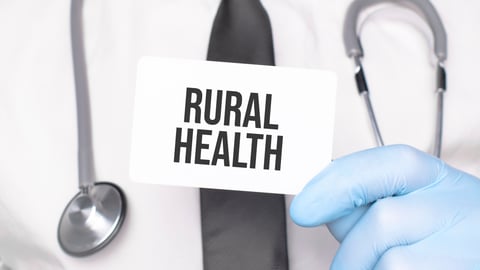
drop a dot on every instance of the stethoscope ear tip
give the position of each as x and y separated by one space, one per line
91 220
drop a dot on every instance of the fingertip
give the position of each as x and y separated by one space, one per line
299 212
318 203
313 208
306 207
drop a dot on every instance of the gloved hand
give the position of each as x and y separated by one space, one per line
395 207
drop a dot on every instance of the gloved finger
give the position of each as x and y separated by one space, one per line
362 178
431 253
341 227
392 222
402 257
455 246
408 258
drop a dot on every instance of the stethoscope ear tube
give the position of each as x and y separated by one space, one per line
352 42
360 78
354 50
362 88
441 78
441 89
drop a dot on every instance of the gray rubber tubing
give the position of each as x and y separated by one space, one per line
86 173
352 42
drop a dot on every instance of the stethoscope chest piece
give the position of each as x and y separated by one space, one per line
95 215
91 219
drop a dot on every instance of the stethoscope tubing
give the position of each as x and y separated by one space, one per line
354 50
353 45
86 173
94 216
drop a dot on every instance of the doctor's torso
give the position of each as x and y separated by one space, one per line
38 168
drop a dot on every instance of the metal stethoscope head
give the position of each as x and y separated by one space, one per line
354 50
96 213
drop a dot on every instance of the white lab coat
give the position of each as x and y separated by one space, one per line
38 169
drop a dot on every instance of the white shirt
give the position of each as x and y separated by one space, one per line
38 169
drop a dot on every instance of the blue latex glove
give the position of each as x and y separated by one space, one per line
395 207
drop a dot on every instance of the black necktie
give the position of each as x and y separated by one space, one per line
242 230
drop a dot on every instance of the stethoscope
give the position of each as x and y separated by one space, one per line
94 216
354 49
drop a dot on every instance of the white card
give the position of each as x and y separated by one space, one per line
231 126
